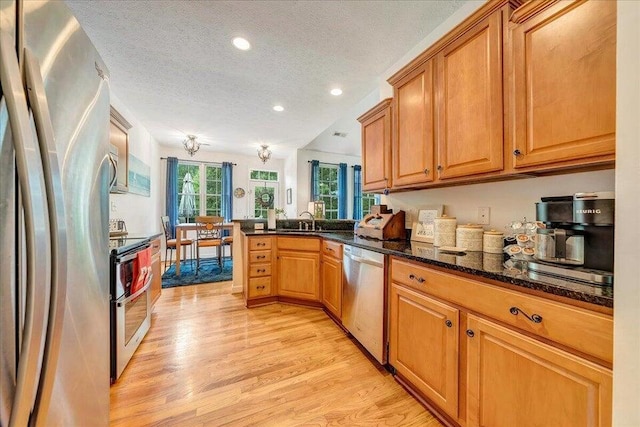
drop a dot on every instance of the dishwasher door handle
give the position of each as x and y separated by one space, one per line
363 260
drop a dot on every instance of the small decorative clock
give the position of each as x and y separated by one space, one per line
238 192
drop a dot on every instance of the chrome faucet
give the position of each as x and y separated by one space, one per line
313 219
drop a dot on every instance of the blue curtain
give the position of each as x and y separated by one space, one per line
227 191
314 191
172 194
357 192
342 191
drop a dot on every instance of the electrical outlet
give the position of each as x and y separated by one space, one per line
113 206
483 216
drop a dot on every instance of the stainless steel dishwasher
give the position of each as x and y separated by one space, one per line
363 299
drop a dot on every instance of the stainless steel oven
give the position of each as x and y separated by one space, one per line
130 305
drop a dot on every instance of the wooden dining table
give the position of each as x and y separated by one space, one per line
181 233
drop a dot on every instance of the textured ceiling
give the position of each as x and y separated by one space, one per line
172 63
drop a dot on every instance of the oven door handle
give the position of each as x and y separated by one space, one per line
125 258
121 302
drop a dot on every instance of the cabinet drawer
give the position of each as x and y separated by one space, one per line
259 256
259 286
259 243
256 270
586 331
332 249
299 243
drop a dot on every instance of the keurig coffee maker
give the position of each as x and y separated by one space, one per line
579 233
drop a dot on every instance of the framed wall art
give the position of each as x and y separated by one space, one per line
423 228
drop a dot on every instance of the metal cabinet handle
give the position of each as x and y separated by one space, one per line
260 287
261 256
36 220
329 249
260 244
517 152
261 270
440 167
535 318
448 323
115 172
470 333
57 226
417 279
426 171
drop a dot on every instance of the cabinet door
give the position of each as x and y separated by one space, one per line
423 345
564 87
514 380
332 286
412 142
376 149
469 102
298 274
156 280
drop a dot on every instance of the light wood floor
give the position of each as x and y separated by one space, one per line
209 361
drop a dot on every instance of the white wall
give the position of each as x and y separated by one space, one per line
508 200
291 182
240 174
141 213
304 177
626 360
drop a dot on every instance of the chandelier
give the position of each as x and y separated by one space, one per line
191 145
264 153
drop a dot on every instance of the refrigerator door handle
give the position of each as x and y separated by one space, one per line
115 172
58 229
36 222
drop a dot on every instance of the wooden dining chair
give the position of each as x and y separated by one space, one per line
209 235
171 243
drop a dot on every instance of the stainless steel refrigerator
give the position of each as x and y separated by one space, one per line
54 263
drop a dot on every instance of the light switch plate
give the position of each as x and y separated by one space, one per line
484 215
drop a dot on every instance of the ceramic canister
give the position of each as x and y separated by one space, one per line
492 242
470 260
444 231
469 236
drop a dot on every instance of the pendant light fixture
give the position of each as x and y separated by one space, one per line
264 153
191 145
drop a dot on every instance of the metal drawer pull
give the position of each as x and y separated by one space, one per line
535 318
329 249
470 333
448 323
260 287
417 279
261 270
260 244
261 256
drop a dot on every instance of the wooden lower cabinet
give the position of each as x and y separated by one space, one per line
332 285
156 271
298 275
423 345
514 380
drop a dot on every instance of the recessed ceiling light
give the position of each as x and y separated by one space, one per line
278 108
242 44
336 92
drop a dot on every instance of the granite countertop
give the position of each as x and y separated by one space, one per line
489 266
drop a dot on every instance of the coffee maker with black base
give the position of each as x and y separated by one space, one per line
579 233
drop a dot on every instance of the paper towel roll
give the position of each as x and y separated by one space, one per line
271 219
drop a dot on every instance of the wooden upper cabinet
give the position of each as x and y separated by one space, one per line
376 147
469 107
514 380
413 137
564 83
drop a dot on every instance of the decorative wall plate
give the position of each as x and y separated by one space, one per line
238 192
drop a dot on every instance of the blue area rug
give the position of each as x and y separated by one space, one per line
209 272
